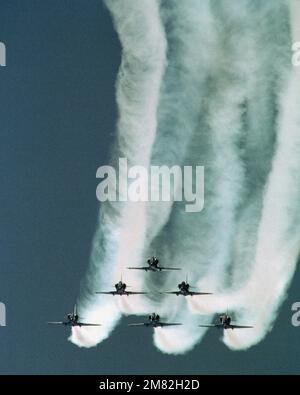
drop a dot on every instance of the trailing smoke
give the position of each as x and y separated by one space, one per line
204 83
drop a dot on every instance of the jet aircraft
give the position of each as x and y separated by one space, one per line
154 322
225 323
120 289
153 265
72 320
184 289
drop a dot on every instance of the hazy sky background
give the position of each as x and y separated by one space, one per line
57 118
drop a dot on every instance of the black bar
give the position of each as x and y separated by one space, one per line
130 383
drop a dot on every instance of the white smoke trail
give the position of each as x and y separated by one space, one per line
204 241
120 236
181 103
278 242
278 239
261 78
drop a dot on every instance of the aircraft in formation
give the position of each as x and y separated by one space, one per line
153 266
120 289
153 319
154 322
184 289
225 323
72 320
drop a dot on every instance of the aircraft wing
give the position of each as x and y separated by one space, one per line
84 324
168 268
56 323
106 293
189 293
169 324
139 268
199 293
170 292
138 324
136 293
240 326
